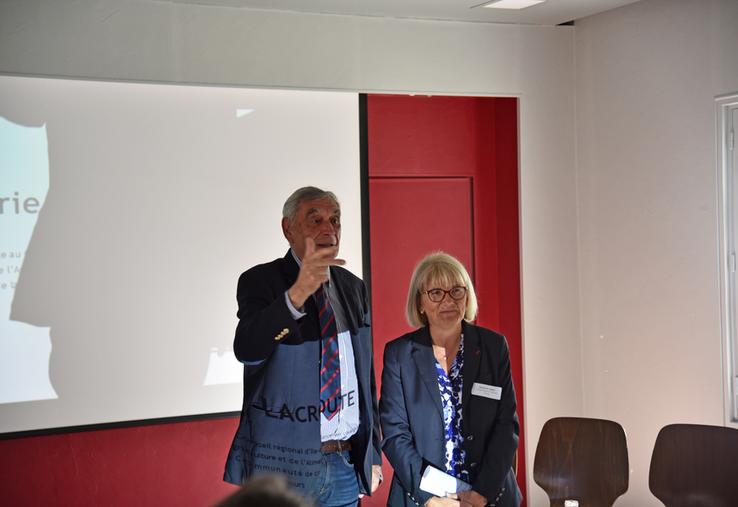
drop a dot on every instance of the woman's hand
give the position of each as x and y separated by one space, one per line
439 501
472 498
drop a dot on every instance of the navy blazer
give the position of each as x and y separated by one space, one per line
411 414
279 429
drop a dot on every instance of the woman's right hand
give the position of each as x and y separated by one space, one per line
439 501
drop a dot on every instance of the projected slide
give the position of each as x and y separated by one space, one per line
127 212
24 349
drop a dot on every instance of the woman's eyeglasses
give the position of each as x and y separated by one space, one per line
437 295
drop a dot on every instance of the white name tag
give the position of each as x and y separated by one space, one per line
486 391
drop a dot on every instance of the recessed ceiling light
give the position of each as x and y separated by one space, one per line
512 4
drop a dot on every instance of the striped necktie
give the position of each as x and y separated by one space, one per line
330 366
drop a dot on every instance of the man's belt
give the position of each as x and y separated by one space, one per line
330 446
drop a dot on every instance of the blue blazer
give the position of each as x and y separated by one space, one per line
279 429
411 413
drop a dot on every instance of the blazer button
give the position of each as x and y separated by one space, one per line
470 437
473 465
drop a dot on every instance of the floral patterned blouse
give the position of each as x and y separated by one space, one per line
450 386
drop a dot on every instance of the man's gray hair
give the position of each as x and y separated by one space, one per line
305 194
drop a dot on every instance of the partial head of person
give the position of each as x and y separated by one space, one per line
441 293
265 491
311 212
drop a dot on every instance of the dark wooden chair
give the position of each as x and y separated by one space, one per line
582 459
695 466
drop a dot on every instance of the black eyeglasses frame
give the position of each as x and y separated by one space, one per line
455 287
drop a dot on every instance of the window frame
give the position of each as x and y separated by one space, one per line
728 250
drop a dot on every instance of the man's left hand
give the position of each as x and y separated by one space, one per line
472 498
376 477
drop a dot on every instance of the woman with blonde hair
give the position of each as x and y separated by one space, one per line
448 404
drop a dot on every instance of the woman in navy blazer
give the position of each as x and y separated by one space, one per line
447 398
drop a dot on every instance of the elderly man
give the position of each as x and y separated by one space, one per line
304 338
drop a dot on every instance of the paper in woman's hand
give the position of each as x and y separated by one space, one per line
439 483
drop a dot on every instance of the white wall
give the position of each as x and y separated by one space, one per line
158 41
646 77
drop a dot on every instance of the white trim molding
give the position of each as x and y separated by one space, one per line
726 108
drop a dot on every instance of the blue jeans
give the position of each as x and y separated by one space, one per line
340 486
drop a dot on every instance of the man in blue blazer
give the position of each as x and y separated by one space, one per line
304 338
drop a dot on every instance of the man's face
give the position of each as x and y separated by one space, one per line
319 219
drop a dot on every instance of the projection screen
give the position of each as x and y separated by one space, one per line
127 212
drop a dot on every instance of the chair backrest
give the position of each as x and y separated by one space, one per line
695 465
582 459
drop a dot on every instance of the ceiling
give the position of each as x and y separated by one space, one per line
551 12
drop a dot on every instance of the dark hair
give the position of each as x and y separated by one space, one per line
265 491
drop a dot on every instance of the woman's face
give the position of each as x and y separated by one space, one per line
448 312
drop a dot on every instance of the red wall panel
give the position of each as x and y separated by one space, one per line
422 136
412 205
160 464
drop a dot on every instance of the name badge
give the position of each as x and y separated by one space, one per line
486 391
